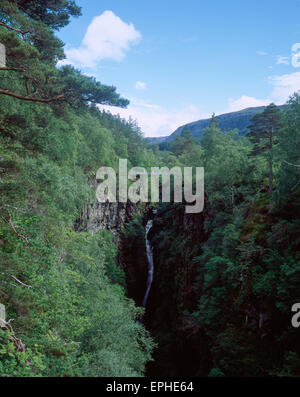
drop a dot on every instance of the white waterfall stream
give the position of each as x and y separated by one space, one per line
149 251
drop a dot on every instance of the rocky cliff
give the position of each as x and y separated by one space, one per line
111 216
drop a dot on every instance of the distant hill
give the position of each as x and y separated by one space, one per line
156 140
229 121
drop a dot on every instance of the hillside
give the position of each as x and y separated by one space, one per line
227 122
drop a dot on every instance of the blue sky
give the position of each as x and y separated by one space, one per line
181 61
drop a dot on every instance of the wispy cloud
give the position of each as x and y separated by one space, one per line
140 85
107 37
261 53
282 60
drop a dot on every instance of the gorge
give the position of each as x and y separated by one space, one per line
214 288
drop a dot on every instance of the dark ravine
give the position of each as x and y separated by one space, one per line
179 351
159 285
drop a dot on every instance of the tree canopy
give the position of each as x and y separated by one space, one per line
32 51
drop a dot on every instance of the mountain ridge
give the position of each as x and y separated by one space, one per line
227 121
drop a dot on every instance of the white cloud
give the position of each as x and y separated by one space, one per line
140 85
107 37
261 53
245 102
65 62
282 60
284 86
156 121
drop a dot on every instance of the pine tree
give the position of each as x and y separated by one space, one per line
263 133
32 51
288 148
183 142
210 136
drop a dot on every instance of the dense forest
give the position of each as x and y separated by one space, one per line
225 279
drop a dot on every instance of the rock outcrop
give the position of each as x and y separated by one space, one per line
110 216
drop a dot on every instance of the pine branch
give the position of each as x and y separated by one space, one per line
293 165
32 99
14 69
14 29
15 230
19 345
20 282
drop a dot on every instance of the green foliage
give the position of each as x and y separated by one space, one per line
229 277
80 90
264 128
288 152
65 291
64 316
224 281
56 15
32 52
263 133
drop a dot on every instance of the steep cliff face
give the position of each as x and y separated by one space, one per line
126 222
110 216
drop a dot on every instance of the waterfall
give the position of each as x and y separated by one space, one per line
149 251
